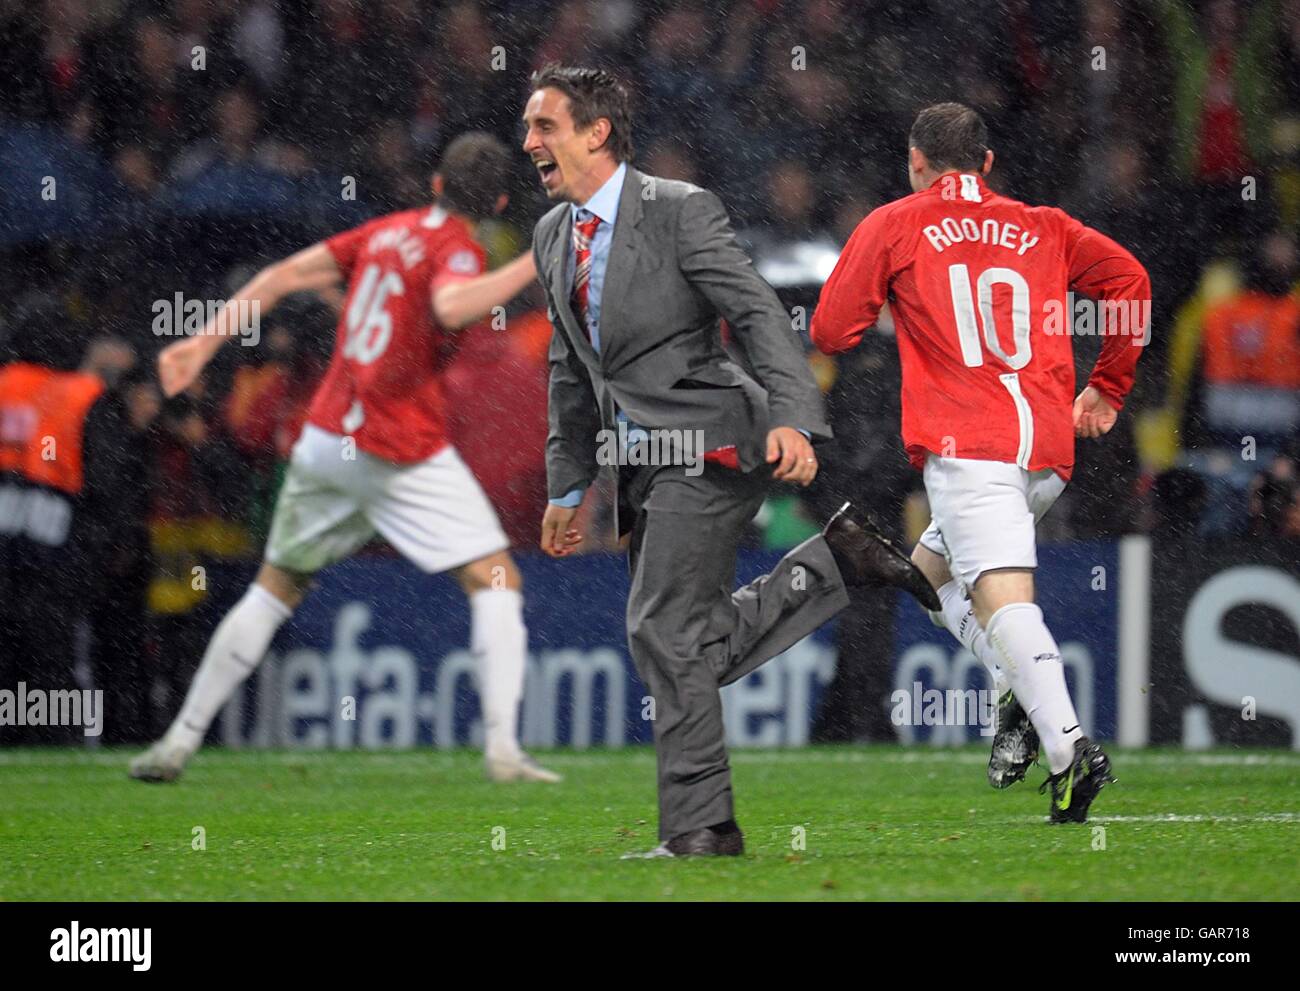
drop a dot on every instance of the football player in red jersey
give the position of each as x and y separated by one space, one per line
980 288
374 457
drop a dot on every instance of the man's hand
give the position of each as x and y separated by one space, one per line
558 536
1093 415
792 454
180 363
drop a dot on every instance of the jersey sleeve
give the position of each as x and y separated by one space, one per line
346 246
1103 269
858 287
456 261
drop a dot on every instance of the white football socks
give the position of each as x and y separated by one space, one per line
499 643
959 619
1032 661
236 648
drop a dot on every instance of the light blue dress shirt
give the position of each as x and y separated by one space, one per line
604 204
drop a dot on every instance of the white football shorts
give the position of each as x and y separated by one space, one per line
335 498
982 514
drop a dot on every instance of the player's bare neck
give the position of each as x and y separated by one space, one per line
936 176
470 223
597 175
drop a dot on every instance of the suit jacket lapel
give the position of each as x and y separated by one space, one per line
621 262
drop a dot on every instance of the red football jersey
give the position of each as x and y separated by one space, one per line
980 289
384 383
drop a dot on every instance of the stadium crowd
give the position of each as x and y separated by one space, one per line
188 141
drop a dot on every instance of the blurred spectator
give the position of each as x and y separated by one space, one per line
200 494
108 359
1223 91
1134 210
258 39
856 200
335 37
1275 501
237 140
475 95
780 244
43 59
792 192
1232 354
397 43
670 159
142 95
69 481
268 400
675 77
1107 91
1289 56
118 615
1251 350
1178 503
1224 100
137 169
391 179
568 36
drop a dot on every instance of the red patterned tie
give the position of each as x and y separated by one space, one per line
583 232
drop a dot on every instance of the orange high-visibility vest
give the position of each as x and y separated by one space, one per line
42 423
1253 338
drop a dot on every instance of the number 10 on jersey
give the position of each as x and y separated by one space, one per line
968 323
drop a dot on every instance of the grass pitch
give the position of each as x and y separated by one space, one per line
821 824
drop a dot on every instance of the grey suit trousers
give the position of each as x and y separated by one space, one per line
689 633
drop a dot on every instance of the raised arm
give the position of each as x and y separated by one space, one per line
459 303
314 268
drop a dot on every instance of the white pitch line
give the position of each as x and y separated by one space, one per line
941 756
1176 818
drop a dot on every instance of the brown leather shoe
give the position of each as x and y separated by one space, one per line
724 840
866 557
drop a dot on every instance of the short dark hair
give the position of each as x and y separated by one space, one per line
593 93
951 136
475 169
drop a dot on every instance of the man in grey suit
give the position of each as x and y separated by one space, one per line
637 270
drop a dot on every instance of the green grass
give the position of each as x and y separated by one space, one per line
879 823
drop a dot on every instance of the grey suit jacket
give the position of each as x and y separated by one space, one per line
673 268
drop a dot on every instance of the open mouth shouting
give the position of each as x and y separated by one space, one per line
547 170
